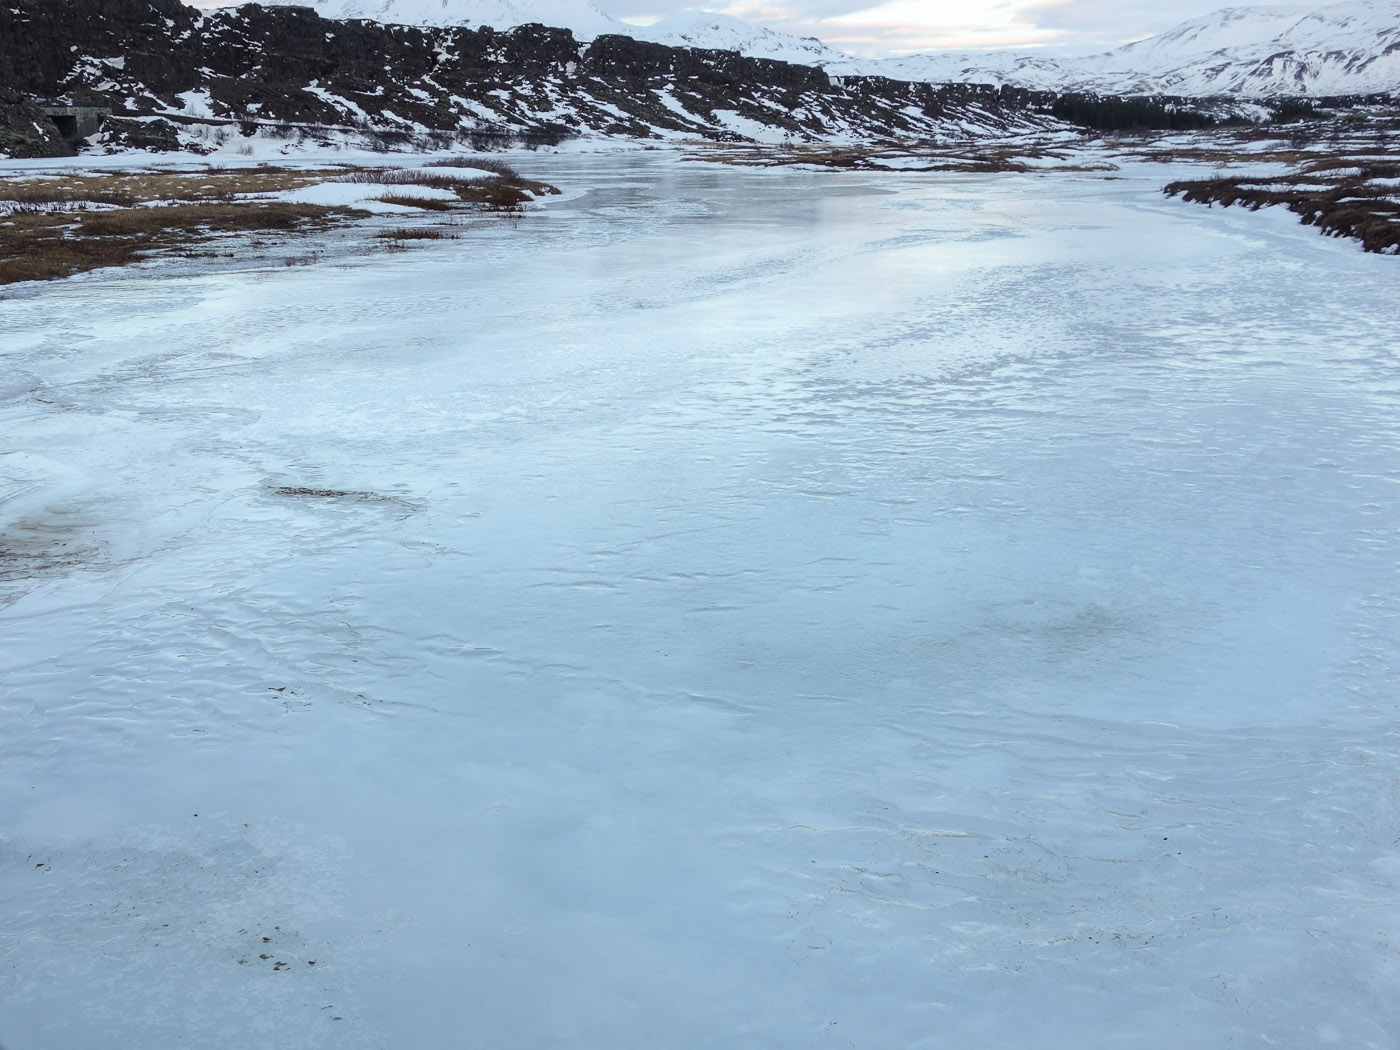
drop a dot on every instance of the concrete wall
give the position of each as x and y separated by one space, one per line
76 122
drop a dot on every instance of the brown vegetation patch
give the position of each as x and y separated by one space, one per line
43 247
141 187
421 234
1338 196
504 189
426 203
48 231
491 164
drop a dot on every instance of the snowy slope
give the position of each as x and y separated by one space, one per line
723 32
586 21
1344 48
1347 47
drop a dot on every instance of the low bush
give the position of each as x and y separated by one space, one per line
405 234
491 164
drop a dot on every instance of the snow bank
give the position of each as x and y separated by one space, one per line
363 195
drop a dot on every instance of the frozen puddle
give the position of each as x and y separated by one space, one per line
735 608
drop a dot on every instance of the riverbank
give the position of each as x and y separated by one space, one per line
58 222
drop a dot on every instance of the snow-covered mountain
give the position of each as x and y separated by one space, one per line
723 32
1343 48
1339 49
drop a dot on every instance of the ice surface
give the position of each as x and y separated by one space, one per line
731 608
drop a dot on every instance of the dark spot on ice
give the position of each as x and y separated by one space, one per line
336 494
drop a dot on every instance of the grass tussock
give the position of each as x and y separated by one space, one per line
35 196
491 164
503 190
426 203
402 177
127 189
417 234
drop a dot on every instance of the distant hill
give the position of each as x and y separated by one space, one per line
1337 49
1340 49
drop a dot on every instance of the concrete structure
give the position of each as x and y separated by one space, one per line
75 120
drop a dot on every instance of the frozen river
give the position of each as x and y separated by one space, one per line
766 609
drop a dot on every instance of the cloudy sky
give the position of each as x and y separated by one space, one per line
878 27
870 26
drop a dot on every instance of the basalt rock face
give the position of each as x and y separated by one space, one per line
25 131
254 66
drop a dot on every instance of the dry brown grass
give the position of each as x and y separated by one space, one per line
426 203
140 187
504 190
402 177
43 247
1338 196
31 196
491 164
419 234
46 234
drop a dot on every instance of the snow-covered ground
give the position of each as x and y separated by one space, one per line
763 608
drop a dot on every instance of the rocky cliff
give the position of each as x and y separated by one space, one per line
254 68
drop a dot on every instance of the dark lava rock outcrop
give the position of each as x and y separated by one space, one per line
287 69
25 130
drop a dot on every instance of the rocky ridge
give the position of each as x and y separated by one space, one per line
1332 49
177 76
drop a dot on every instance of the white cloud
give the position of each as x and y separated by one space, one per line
871 26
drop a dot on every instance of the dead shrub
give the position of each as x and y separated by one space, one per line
405 234
496 167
